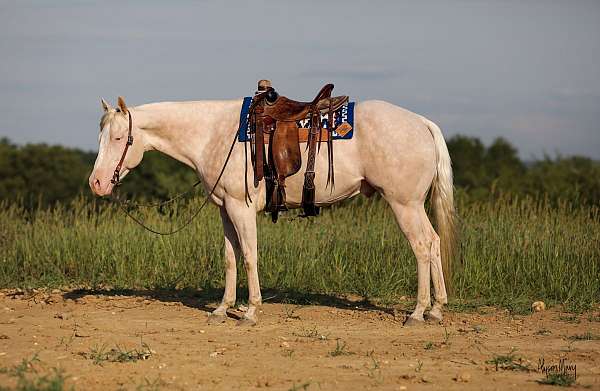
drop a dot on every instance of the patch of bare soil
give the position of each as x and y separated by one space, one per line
107 342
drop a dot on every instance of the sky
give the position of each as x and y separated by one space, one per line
528 71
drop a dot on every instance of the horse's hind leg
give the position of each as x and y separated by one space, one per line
410 220
437 276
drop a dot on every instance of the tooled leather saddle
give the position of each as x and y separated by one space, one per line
275 142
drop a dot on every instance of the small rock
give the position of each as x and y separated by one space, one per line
218 352
463 377
402 388
55 291
425 379
284 345
538 306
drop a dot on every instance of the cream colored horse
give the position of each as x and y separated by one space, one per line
395 152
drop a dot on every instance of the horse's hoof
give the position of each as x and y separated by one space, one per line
413 322
246 322
216 319
434 317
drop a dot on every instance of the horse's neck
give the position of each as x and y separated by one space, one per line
186 131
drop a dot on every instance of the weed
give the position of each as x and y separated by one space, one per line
585 337
543 332
54 381
374 370
419 366
446 337
509 362
340 349
429 345
151 385
100 354
558 379
593 318
26 365
303 386
312 333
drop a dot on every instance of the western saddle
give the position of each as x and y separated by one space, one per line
273 124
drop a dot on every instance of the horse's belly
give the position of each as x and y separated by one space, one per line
347 175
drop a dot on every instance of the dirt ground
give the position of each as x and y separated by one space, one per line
345 345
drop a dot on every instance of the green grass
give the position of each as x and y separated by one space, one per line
558 379
511 253
100 355
509 361
28 378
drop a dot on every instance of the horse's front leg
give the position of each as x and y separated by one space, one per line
232 253
244 221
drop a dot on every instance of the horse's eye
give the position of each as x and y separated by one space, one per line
118 138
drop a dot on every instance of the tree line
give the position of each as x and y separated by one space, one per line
41 175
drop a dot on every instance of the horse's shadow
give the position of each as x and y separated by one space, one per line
207 299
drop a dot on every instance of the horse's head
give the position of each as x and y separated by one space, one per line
114 132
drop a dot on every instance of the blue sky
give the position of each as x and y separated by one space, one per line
525 70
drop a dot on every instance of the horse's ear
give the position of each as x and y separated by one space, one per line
122 105
105 105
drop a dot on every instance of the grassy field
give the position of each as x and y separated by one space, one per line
511 252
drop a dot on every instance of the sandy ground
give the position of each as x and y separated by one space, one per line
344 345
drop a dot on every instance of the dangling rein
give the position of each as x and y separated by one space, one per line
123 204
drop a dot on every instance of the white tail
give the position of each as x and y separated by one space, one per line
442 197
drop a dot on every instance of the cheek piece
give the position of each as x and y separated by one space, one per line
115 179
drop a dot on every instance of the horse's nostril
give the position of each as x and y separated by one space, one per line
97 184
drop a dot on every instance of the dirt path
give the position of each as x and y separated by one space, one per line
294 347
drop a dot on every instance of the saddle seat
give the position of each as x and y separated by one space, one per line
285 109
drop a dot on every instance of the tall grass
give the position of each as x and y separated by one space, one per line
510 251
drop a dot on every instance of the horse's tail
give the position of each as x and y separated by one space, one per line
442 198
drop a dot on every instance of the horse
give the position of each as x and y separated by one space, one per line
397 153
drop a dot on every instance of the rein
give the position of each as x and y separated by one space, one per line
124 204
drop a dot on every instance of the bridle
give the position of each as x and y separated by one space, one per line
116 175
125 205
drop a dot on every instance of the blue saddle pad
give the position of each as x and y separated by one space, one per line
343 114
